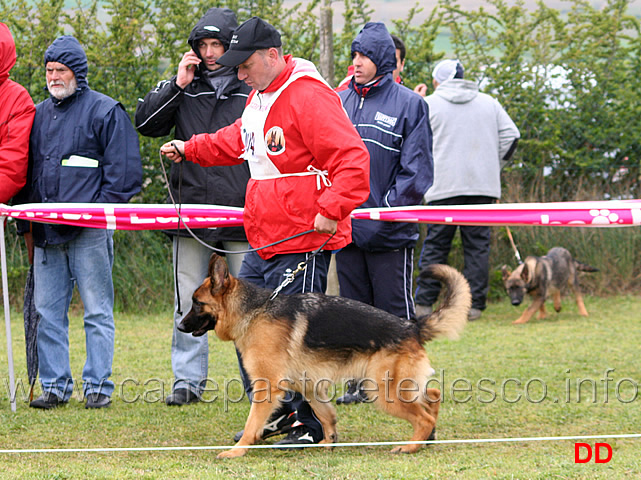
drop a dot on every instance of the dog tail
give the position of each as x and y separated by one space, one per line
584 267
450 318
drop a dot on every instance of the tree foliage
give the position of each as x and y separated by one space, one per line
570 79
567 78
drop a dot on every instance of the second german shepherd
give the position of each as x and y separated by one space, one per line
544 276
306 342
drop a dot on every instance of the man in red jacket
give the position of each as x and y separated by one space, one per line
16 117
309 170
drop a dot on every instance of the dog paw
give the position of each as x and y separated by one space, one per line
519 321
406 449
329 440
236 452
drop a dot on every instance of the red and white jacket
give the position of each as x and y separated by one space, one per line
305 158
16 117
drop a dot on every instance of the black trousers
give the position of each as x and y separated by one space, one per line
381 279
476 254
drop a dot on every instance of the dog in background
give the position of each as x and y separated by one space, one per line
304 342
545 276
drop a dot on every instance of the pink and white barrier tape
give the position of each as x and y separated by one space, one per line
128 216
616 213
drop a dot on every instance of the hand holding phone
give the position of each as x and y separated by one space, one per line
187 68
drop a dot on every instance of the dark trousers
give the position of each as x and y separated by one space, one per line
476 254
270 274
381 279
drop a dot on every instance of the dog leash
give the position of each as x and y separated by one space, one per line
516 250
290 275
177 206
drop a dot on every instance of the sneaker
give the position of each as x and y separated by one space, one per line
276 425
299 435
474 314
423 310
181 396
99 400
47 401
353 395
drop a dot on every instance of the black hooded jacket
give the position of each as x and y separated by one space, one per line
211 101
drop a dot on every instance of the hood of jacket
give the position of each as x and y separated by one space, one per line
457 90
216 23
7 52
67 50
375 42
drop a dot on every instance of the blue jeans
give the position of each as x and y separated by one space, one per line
189 354
85 261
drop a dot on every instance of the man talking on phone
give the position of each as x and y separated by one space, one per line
201 98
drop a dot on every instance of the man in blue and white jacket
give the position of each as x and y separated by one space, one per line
393 122
83 149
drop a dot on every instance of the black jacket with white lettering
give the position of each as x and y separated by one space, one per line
199 108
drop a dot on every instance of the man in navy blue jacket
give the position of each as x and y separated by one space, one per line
393 122
83 149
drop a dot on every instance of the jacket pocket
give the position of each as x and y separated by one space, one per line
80 179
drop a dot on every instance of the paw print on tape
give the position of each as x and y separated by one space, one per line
603 216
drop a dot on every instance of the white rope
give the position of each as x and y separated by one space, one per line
316 445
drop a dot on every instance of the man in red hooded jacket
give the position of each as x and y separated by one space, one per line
16 117
309 170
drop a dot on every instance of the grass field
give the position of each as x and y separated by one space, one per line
543 379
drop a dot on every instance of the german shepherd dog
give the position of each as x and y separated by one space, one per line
542 277
304 342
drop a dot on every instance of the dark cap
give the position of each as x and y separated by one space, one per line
253 34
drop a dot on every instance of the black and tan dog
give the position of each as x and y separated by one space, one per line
308 342
545 276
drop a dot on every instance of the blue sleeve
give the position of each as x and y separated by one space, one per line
416 172
122 167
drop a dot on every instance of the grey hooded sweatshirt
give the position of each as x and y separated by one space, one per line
472 136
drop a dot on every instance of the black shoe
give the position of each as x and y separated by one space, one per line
278 424
98 400
47 401
182 396
299 435
353 395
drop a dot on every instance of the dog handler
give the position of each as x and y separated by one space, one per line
309 170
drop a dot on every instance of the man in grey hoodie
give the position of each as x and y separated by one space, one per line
473 139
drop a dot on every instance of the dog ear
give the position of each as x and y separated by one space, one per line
506 272
529 270
218 274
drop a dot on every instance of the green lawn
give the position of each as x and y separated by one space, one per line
499 381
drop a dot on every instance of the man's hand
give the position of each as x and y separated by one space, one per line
421 89
324 225
187 68
173 150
